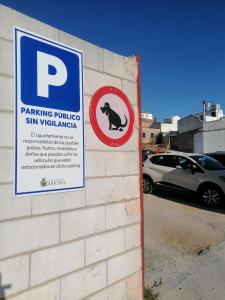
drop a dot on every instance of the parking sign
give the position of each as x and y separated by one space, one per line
49 133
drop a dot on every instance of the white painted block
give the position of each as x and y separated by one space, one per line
6 162
54 202
130 89
111 189
103 190
92 142
6 92
42 204
81 223
122 163
95 191
124 265
116 215
83 283
131 187
95 164
131 68
72 200
6 57
35 26
125 67
113 63
122 214
6 22
10 18
136 116
57 261
133 211
11 206
133 143
93 80
114 292
93 55
134 287
50 291
6 125
87 100
28 234
14 275
132 236
105 245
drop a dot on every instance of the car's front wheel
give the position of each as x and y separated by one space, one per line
211 195
147 185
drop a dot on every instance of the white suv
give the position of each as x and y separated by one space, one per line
186 171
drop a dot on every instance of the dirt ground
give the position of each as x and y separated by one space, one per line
184 248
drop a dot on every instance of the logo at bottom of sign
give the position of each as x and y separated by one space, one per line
52 182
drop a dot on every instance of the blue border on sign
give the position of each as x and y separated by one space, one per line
16 112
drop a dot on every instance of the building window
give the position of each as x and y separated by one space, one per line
143 135
152 135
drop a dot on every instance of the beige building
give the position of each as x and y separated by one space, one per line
150 131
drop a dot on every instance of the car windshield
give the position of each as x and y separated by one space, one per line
208 163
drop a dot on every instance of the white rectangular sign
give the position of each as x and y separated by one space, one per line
49 121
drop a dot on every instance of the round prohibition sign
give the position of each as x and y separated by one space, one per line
111 116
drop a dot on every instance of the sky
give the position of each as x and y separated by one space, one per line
181 44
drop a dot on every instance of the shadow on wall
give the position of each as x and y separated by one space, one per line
3 288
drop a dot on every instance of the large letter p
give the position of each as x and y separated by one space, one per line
44 79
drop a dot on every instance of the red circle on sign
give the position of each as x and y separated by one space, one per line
116 96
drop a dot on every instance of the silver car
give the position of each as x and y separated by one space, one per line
186 172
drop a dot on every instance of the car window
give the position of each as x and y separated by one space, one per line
169 161
181 160
157 160
145 154
177 161
220 158
163 160
208 163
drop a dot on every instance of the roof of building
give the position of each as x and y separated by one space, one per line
155 124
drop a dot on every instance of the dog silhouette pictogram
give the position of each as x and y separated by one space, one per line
114 118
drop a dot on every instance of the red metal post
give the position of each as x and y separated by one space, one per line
140 166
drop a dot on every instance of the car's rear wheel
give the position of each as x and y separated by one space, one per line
211 195
147 185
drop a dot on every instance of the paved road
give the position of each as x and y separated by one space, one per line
180 237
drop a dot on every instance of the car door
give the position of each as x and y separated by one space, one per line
160 167
185 179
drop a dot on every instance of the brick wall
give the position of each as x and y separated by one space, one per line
77 245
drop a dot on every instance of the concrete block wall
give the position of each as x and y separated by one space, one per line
82 244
